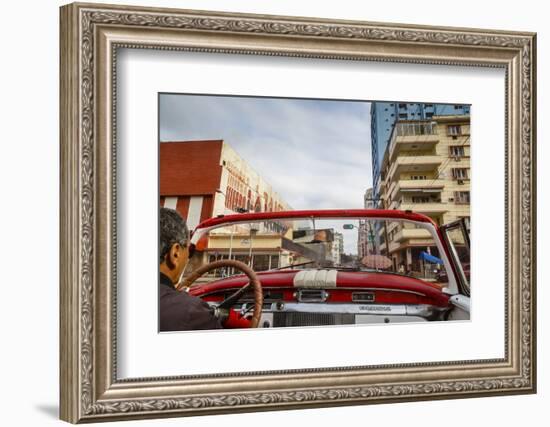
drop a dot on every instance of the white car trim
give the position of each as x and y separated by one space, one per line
313 278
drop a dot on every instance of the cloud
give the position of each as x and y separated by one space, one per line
315 153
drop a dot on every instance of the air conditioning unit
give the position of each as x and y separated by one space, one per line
457 158
451 199
460 182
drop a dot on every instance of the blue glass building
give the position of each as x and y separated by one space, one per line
385 114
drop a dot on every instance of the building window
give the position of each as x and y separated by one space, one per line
274 261
458 107
429 106
402 115
453 130
462 197
460 173
260 262
456 150
420 199
415 177
429 115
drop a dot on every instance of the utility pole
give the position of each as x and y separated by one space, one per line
385 223
370 237
386 232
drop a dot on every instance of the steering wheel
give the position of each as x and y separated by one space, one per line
254 283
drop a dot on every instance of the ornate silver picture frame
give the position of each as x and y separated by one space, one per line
91 34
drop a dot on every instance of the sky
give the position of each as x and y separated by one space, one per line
315 153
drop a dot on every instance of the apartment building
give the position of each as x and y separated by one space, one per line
425 169
384 115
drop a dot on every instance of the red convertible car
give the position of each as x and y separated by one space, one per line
330 267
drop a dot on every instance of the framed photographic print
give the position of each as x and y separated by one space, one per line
305 212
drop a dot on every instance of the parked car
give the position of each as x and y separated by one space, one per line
326 267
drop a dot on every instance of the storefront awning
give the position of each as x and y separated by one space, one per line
430 258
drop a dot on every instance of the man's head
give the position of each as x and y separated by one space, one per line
173 244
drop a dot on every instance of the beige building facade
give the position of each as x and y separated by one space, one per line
242 188
426 169
203 179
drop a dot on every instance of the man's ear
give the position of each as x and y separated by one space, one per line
173 255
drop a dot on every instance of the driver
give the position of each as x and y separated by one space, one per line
178 311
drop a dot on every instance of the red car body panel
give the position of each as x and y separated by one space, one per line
387 288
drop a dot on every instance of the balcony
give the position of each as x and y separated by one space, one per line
409 186
420 184
393 247
426 208
422 134
414 164
412 233
416 186
420 143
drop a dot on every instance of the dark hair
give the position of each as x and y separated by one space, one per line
172 229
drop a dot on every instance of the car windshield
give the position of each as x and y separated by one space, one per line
345 244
